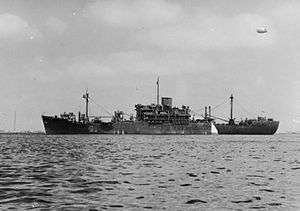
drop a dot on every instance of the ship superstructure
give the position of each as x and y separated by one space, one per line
163 119
149 119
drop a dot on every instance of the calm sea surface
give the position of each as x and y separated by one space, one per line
97 172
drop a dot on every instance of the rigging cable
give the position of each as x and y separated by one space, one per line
101 106
250 113
217 106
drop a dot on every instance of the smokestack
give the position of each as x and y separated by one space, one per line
209 111
205 112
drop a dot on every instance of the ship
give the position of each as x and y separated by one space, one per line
259 126
160 118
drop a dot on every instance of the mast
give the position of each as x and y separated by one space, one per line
157 91
86 97
231 121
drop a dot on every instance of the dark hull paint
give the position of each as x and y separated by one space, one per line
140 127
56 125
259 128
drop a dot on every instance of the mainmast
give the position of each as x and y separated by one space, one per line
231 120
157 91
86 97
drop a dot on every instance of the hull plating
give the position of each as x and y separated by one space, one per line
54 125
264 128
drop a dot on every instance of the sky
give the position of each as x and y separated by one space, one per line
203 50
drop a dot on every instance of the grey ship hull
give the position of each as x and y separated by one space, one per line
140 127
55 125
260 128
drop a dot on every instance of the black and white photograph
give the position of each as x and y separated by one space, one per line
149 105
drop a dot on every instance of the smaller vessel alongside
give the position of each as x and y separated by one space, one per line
259 126
67 123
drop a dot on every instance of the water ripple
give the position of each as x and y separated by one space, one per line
149 172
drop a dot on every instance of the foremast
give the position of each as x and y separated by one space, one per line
231 120
86 97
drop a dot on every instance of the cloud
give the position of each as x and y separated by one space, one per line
134 14
85 67
286 16
169 25
56 25
213 31
286 13
15 28
120 64
296 121
137 62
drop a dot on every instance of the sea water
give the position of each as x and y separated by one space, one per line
137 172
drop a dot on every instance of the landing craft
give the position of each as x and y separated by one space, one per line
262 30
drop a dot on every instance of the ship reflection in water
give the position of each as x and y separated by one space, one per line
136 172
